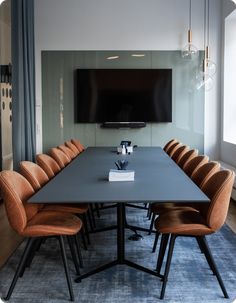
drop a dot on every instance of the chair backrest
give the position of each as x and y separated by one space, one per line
204 173
72 147
48 164
169 143
70 154
193 165
34 174
173 148
15 191
178 154
78 145
192 153
218 189
60 157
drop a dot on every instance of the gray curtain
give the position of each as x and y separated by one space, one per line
23 81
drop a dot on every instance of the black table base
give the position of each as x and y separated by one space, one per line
121 260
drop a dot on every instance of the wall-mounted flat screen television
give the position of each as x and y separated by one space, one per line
123 95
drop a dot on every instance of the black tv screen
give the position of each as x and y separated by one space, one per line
123 95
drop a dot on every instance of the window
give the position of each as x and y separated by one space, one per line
229 118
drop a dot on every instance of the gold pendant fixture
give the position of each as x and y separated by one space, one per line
190 51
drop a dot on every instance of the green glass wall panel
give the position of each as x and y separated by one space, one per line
58 68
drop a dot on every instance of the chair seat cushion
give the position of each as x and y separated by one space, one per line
159 208
52 223
68 208
182 222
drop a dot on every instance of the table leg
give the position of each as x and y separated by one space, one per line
121 225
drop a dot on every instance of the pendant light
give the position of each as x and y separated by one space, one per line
208 67
190 51
1 1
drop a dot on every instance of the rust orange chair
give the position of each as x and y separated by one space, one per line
38 178
69 152
48 164
173 148
30 221
193 165
200 177
179 153
72 147
192 153
169 144
60 157
190 223
78 145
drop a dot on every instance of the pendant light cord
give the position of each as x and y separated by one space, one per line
205 17
190 14
208 22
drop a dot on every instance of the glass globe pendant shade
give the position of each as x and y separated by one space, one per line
204 81
190 51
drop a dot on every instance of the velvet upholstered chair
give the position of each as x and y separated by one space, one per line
193 165
188 156
38 178
200 177
197 224
48 164
173 148
72 147
179 153
169 144
78 145
33 223
60 157
69 152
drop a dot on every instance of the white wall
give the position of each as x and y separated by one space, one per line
127 25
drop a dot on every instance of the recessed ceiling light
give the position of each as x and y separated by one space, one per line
138 55
112 57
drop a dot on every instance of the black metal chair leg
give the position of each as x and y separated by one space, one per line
155 242
90 220
73 254
85 223
152 223
148 211
83 238
162 250
78 251
91 211
210 259
97 210
65 263
149 214
35 246
20 267
201 246
167 268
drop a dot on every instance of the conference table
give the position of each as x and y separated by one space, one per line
85 180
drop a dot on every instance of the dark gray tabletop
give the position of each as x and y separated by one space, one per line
85 179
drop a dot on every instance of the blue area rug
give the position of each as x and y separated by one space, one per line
190 279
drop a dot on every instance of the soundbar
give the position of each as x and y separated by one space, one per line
123 124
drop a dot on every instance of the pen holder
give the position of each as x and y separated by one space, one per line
121 164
